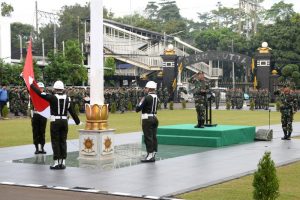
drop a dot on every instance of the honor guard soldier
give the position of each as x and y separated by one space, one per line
148 106
38 123
60 104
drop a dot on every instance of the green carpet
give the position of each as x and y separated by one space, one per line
220 135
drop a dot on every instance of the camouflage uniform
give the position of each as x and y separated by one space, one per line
200 91
217 98
165 97
287 109
24 101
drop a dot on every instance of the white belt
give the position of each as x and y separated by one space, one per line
146 115
53 118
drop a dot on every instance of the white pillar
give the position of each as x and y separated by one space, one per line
5 39
96 68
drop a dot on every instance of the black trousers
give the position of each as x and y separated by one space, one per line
149 127
59 132
38 124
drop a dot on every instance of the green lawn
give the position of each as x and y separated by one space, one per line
18 132
241 189
15 132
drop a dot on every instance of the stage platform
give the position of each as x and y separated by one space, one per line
217 136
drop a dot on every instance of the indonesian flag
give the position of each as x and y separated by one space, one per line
40 104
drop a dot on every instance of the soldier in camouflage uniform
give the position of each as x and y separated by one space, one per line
122 100
228 98
287 109
200 91
24 101
14 101
217 98
165 97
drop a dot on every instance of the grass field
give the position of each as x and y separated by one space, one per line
15 132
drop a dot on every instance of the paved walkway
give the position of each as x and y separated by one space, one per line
160 179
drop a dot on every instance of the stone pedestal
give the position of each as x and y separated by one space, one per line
96 144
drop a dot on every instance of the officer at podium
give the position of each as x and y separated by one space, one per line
200 92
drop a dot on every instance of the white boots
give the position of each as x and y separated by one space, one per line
55 165
59 164
149 158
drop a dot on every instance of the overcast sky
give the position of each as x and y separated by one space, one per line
24 9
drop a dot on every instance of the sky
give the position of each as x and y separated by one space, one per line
24 10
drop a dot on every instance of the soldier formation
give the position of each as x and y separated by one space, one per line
125 99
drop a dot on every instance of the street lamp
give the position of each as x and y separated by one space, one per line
21 48
172 34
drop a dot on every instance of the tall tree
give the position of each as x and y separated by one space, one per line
168 11
280 10
19 31
151 10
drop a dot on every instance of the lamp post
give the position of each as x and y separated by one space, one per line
172 34
233 73
21 48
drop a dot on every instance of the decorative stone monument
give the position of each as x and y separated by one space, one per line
169 67
96 142
263 66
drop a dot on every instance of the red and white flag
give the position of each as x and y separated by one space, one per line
40 104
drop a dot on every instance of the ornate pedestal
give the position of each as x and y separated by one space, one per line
96 144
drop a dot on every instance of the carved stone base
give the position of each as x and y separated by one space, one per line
96 144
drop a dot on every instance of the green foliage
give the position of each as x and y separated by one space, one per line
183 104
171 105
265 182
129 106
6 9
109 63
10 74
5 111
168 11
24 31
228 105
279 10
291 73
113 108
61 65
252 104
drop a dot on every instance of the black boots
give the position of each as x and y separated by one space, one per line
36 149
42 151
287 135
200 124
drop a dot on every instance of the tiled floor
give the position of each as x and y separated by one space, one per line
162 178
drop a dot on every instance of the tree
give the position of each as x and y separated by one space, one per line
151 10
168 11
74 60
265 182
111 65
291 73
280 11
67 68
70 21
57 68
6 9
17 30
